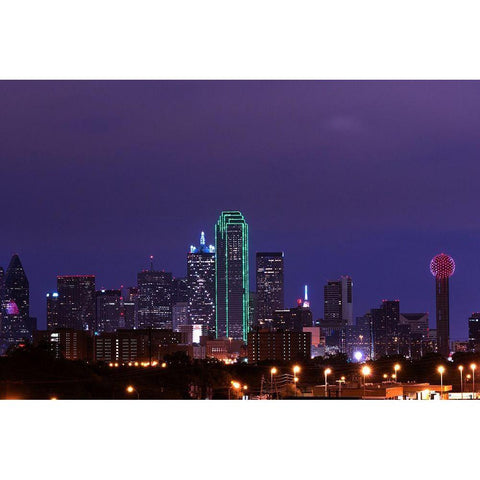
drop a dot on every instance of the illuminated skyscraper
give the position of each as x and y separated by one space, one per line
231 276
16 325
76 301
442 268
155 298
270 296
201 285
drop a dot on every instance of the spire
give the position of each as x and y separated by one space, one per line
151 263
202 239
306 303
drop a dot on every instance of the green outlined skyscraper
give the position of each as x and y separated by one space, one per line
231 276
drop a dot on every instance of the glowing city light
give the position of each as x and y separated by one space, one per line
358 356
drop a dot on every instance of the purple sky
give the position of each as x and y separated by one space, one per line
366 178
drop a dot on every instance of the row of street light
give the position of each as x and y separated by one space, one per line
366 371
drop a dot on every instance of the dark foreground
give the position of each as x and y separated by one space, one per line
33 373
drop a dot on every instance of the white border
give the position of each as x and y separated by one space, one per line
251 39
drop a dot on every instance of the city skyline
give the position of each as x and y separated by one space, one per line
210 251
311 162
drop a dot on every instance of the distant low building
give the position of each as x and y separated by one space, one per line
133 345
67 343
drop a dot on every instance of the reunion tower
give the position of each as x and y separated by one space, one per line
442 267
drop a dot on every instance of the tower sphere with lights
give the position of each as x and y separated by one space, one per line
442 268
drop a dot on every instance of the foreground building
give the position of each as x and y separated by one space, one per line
67 343
265 345
231 276
143 345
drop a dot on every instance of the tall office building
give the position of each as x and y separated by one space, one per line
359 338
155 299
442 268
76 301
231 276
270 296
385 328
201 285
52 311
338 301
16 321
129 306
109 314
2 285
474 332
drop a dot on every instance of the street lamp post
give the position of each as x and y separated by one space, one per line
396 368
366 370
473 367
296 369
327 372
342 380
273 371
460 368
235 385
441 369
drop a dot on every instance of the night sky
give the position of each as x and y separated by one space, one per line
369 179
